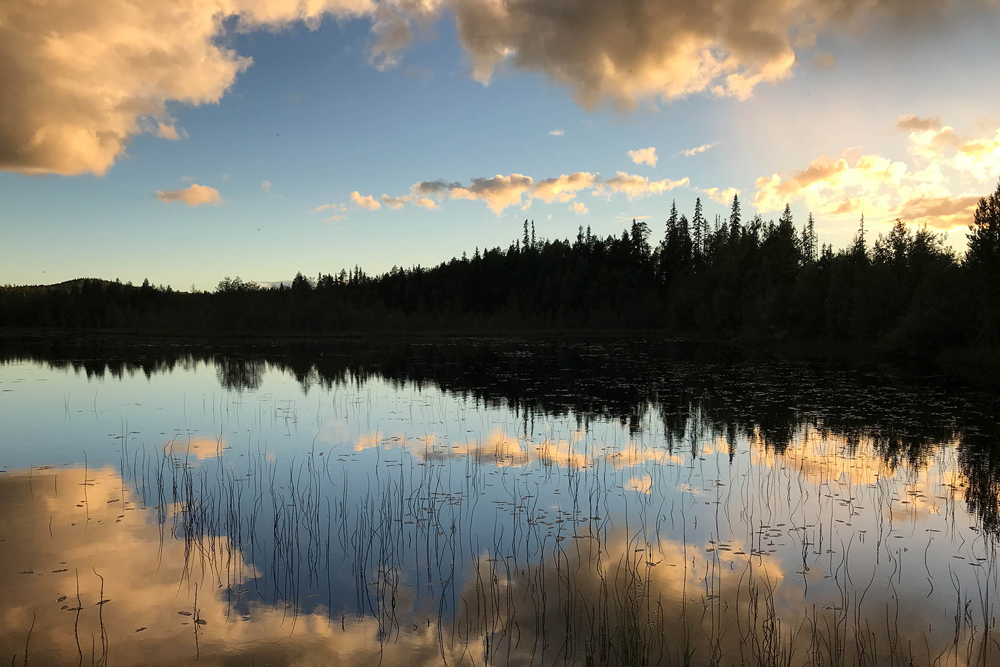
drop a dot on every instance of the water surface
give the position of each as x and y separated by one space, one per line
489 503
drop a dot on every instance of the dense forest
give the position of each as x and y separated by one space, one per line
726 278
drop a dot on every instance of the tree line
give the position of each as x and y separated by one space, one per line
729 277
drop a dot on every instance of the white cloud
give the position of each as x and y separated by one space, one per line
556 133
365 201
691 152
647 155
194 195
326 207
265 186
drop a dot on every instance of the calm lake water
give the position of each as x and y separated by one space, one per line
461 502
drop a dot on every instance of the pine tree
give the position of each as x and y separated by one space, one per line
734 218
697 222
984 236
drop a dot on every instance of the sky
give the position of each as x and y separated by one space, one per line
184 141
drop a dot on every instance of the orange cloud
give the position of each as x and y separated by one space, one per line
194 195
498 192
365 201
633 186
564 187
938 186
80 78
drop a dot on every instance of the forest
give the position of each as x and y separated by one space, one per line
904 292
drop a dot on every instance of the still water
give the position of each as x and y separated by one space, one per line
489 503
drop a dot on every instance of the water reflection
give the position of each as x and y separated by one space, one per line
670 510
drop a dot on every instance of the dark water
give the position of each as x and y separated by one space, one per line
504 503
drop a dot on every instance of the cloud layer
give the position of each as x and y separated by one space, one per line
939 185
500 192
81 78
633 50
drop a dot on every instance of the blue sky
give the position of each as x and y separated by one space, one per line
315 118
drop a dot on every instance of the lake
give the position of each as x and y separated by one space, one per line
489 502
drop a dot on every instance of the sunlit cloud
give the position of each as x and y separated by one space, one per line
633 186
564 187
644 155
80 83
365 201
265 187
635 50
194 195
81 79
722 196
579 208
394 203
168 132
498 191
939 185
691 152
556 133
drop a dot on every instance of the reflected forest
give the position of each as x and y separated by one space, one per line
726 278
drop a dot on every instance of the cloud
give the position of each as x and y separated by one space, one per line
365 201
941 212
564 187
168 132
433 187
634 186
195 195
80 78
911 123
498 191
691 152
335 218
824 61
721 196
394 203
647 155
265 186
633 50
579 207
326 207
556 133
939 185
